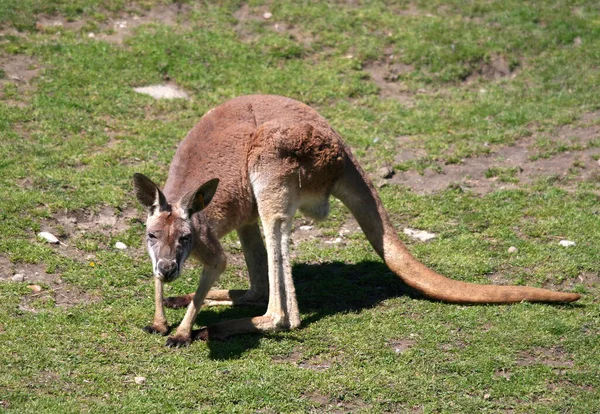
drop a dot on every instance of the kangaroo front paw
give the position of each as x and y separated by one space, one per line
178 341
153 329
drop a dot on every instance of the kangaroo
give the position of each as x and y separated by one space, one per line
265 156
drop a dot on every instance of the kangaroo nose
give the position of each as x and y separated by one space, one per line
167 267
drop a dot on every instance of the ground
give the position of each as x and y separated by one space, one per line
478 122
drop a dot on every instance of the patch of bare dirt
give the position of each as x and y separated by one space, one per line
19 68
452 346
411 10
117 29
166 14
565 384
296 358
575 164
555 357
337 406
497 67
245 15
386 74
588 279
401 345
107 221
51 23
52 289
6 267
71 227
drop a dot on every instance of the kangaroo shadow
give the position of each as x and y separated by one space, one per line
322 290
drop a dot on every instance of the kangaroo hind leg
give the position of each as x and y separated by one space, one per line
276 205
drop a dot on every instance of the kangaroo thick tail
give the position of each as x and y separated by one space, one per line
356 191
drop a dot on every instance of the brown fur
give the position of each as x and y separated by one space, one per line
272 156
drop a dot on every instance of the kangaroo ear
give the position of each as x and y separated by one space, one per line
195 201
149 194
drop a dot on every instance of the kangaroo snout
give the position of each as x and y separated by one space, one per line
167 269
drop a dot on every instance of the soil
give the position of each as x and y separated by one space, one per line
19 70
401 345
497 67
115 30
575 165
107 221
245 15
67 226
53 288
385 73
555 357
295 357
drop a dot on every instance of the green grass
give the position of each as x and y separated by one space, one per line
72 136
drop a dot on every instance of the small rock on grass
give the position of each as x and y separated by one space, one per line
419 234
566 243
35 288
512 249
163 92
120 245
139 380
385 172
49 237
18 278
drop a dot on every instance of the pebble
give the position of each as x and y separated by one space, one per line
512 249
163 92
566 243
120 245
306 228
267 15
385 172
419 234
49 237
18 277
35 288
139 380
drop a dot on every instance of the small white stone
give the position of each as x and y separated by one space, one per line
267 15
512 249
163 92
91 35
120 245
139 380
305 228
419 234
49 237
566 243
18 278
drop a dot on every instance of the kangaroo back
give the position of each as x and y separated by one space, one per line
356 191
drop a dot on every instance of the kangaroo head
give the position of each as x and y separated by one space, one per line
170 235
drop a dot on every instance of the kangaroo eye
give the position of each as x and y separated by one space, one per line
151 236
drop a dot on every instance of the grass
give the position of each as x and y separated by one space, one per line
74 132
